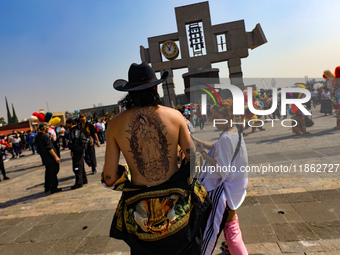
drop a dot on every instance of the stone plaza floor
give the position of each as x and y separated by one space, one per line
296 212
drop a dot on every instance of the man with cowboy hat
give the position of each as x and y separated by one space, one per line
159 212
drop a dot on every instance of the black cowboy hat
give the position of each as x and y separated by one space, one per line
140 77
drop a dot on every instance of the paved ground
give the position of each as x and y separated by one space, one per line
284 213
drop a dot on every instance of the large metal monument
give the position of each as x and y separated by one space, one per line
197 45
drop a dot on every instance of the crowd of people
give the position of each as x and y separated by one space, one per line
59 138
163 199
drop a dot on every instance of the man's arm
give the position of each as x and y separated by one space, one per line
206 145
57 159
205 156
49 146
112 154
96 136
94 133
185 142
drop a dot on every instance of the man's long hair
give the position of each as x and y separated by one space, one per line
147 97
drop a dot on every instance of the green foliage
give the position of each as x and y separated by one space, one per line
2 121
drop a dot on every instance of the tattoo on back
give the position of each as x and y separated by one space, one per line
149 145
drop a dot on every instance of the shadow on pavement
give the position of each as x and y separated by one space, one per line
36 195
9 170
23 199
65 159
314 134
60 182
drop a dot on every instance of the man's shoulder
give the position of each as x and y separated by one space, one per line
88 124
170 111
166 108
118 117
40 136
160 110
73 129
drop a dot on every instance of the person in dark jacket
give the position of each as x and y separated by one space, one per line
49 158
77 143
2 166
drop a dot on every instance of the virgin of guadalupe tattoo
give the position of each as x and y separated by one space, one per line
149 145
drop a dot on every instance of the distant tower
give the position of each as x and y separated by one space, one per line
14 118
10 119
9 116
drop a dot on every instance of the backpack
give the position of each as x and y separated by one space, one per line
78 140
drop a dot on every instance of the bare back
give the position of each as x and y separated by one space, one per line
148 138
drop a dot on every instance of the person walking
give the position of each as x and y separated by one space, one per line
89 131
49 157
100 131
30 139
15 139
10 146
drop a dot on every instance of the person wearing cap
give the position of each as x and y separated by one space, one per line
162 210
49 158
89 131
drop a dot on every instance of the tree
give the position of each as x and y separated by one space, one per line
2 121
11 119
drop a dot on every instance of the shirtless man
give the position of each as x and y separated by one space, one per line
148 134
148 137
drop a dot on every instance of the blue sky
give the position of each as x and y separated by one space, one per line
68 53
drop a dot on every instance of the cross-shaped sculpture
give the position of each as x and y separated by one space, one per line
200 44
